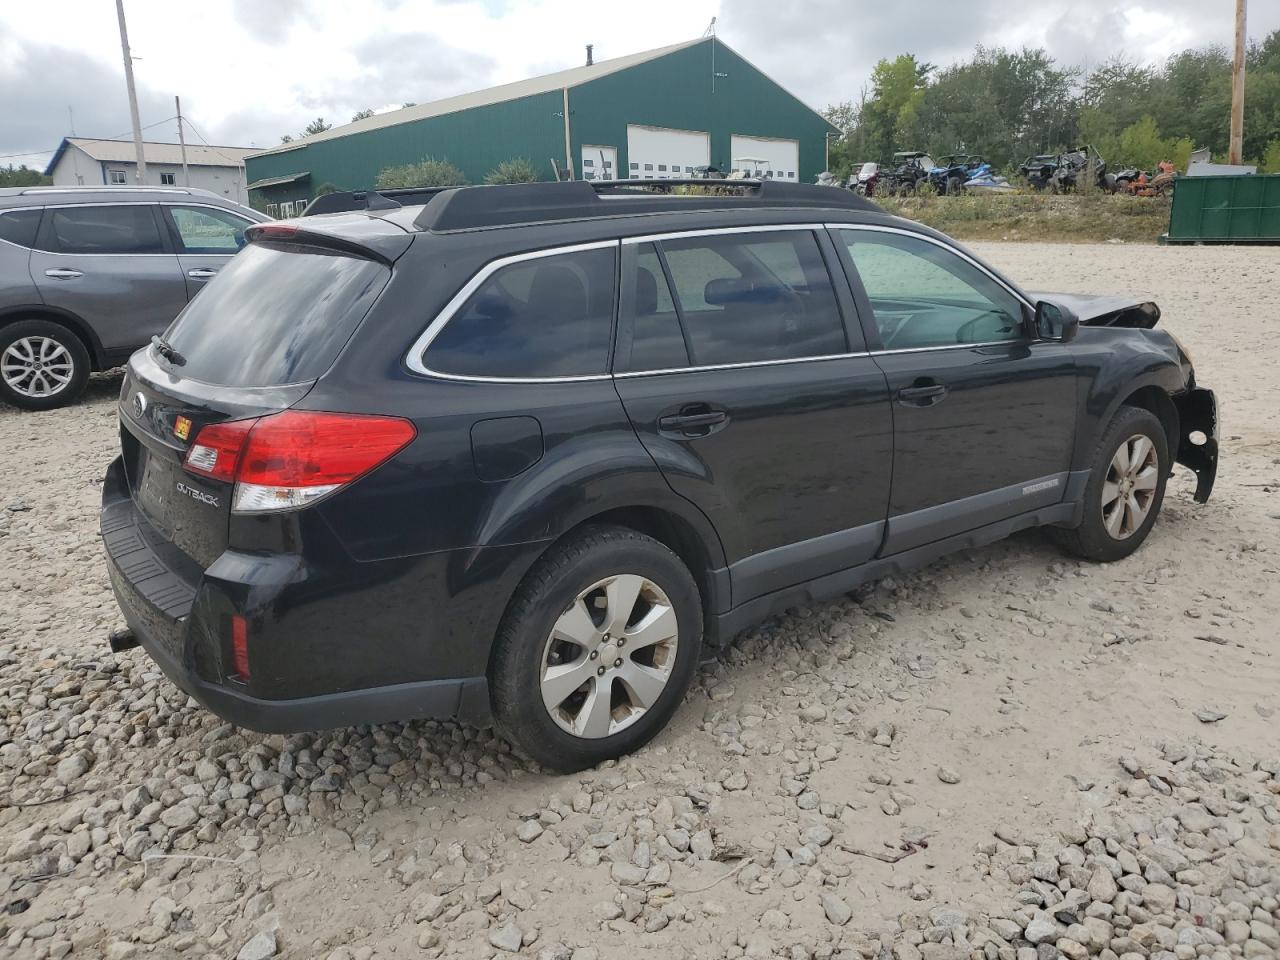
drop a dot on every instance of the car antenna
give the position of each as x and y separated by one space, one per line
376 201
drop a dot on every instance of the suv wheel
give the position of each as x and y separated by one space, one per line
597 649
42 365
1125 490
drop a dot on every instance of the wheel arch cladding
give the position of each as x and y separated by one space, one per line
82 331
1155 400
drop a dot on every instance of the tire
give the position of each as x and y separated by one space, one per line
1096 538
42 365
906 188
567 595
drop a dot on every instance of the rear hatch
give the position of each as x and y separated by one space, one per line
252 343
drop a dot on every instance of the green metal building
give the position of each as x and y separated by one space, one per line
662 113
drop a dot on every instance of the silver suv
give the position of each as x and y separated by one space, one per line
89 274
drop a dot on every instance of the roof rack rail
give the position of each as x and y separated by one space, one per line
475 208
345 201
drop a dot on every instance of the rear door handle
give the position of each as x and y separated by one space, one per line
923 395
201 273
693 420
62 273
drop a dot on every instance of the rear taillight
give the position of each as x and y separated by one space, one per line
293 458
216 451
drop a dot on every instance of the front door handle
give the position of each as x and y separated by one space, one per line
202 273
923 394
693 420
62 273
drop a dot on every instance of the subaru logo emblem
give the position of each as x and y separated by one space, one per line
139 404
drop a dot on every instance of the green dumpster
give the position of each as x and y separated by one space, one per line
1230 209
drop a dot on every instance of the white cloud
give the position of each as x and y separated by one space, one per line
251 70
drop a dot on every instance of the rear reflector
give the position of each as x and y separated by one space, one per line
240 647
289 459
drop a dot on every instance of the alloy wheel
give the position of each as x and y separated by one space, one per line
609 656
1129 490
36 366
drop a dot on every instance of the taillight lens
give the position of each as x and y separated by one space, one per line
217 448
293 458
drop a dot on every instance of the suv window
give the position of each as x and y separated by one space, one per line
101 229
206 230
924 295
657 341
747 297
277 314
550 316
19 226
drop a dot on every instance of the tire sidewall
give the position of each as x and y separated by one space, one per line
1129 422
75 348
517 668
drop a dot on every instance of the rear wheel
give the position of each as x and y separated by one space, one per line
597 649
42 365
1125 490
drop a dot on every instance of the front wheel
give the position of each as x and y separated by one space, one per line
1125 490
596 650
42 365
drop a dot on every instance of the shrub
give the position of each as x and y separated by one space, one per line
427 173
515 170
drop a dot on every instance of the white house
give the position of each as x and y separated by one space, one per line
81 161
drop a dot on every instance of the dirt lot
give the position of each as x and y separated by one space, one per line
1070 760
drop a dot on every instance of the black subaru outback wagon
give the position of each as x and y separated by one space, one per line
521 452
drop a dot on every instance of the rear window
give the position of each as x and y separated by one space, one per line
275 314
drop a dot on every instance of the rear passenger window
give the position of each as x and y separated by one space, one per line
19 226
101 229
748 297
549 316
657 342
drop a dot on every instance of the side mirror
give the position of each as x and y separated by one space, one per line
1054 322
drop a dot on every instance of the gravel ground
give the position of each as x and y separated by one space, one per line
1009 755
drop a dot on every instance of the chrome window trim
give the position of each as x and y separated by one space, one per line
876 228
415 357
721 231
738 366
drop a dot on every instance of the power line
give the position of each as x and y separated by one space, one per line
117 137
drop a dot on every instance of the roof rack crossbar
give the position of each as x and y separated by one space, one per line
474 208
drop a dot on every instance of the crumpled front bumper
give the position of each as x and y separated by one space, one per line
1198 419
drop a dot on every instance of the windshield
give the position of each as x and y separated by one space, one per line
276 314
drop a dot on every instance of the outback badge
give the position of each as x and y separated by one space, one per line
182 428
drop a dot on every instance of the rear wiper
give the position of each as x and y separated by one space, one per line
165 349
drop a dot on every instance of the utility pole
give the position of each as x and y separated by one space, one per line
141 172
182 143
1236 148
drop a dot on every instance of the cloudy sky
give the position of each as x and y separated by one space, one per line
251 70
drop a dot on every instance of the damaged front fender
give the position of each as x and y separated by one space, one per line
1106 311
1198 440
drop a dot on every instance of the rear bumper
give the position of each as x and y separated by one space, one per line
1198 417
178 617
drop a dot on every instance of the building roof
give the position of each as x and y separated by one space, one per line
547 83
122 151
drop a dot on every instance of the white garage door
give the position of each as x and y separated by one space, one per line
766 157
657 152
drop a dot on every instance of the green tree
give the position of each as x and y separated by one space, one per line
1271 157
22 176
516 170
364 114
316 126
428 172
326 188
897 87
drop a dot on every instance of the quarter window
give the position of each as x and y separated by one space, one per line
748 297
104 229
923 295
204 230
549 316
19 226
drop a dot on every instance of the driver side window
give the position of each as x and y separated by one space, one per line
923 295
